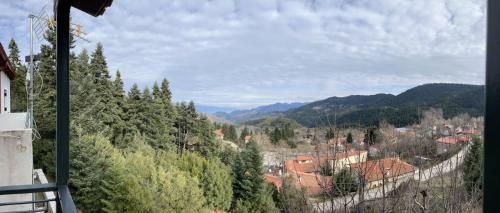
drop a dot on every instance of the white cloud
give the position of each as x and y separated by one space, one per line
249 52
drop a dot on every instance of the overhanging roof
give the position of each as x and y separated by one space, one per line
5 65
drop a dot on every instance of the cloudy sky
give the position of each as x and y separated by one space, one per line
244 53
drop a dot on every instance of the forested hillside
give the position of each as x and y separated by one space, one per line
402 109
137 151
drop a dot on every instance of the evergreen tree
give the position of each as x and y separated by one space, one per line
344 183
473 168
349 138
107 108
275 136
244 133
120 127
45 106
134 110
330 134
249 186
83 105
18 85
290 199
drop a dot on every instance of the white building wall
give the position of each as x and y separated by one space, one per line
16 158
5 87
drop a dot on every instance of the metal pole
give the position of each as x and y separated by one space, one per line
29 80
491 187
30 77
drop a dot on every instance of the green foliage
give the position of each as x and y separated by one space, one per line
330 134
326 170
344 183
400 110
45 107
349 138
286 133
89 161
290 199
250 190
244 133
134 152
370 136
472 172
229 132
18 85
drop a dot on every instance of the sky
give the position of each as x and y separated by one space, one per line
246 53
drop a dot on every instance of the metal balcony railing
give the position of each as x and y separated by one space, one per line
63 197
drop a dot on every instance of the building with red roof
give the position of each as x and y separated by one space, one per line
374 172
445 144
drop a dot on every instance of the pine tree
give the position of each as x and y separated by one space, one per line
108 110
18 85
249 185
83 105
244 133
349 138
45 106
344 183
473 168
330 134
134 110
120 126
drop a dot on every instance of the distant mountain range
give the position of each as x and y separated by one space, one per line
240 116
212 109
400 110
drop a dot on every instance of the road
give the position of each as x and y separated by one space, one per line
351 200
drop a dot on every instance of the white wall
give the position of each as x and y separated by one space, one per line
16 158
5 85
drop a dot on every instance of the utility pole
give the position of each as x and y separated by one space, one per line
29 77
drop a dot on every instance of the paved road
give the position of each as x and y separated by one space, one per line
348 201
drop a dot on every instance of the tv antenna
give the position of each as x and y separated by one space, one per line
39 23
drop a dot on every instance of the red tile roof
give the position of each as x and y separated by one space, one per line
274 180
377 169
314 184
453 140
315 162
470 132
5 65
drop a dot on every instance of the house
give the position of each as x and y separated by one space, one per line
7 73
219 134
313 164
447 129
469 132
274 180
345 158
445 144
373 173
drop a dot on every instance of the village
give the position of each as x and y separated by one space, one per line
372 158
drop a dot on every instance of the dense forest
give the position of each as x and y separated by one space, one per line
137 151
400 110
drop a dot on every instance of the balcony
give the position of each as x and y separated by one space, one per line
62 198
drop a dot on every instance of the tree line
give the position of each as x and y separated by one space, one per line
136 151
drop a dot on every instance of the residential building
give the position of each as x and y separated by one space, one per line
445 144
389 170
7 73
